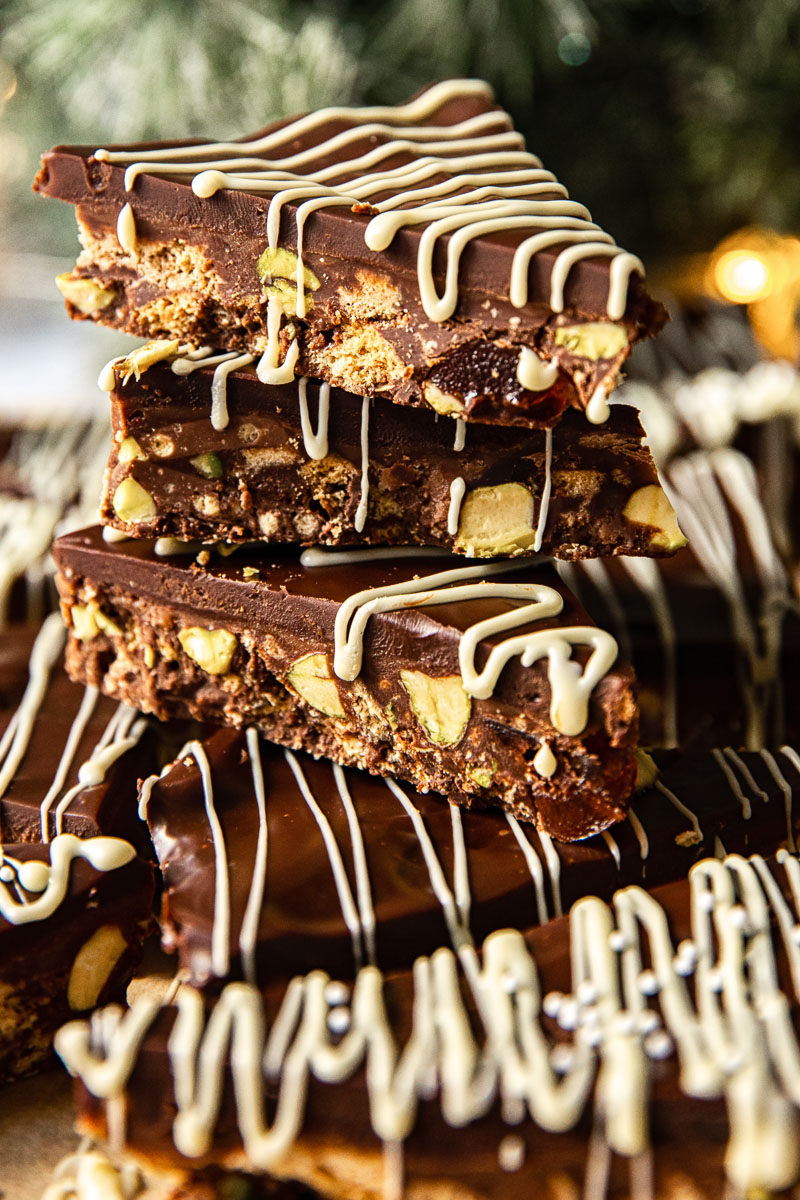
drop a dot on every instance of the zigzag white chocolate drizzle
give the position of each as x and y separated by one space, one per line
570 686
48 882
491 184
731 1033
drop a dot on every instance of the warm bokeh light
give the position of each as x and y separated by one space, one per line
760 268
742 276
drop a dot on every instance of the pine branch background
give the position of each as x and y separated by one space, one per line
674 120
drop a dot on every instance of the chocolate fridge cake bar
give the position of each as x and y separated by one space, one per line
486 682
416 251
273 861
300 462
646 1046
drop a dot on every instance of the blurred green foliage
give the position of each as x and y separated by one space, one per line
674 120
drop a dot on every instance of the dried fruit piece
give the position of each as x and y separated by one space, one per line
650 506
211 649
88 620
130 451
209 465
138 361
594 339
133 503
89 296
93 965
496 520
441 705
311 678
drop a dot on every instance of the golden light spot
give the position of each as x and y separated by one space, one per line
743 276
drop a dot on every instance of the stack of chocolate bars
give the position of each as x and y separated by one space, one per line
379 340
420 258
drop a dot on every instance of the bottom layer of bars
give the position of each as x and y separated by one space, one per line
642 1047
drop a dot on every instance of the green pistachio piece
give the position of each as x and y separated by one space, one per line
133 503
311 678
208 465
130 451
211 649
281 264
441 705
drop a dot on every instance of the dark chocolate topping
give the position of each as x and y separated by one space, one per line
302 917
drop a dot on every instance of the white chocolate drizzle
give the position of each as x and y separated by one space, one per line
553 864
782 782
544 761
47 882
487 183
122 733
315 444
270 369
570 686
457 928
219 389
248 933
126 230
112 535
45 654
350 912
534 866
695 836
457 489
366 911
613 848
191 359
460 439
363 503
534 373
598 409
646 575
544 501
316 556
220 933
730 1032
733 782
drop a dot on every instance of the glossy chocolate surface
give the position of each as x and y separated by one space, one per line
472 356
301 918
